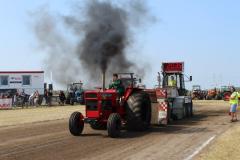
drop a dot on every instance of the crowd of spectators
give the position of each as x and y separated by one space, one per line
20 98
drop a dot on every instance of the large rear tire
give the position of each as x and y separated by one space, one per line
138 110
114 125
76 123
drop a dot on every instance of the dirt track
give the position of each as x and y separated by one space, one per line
51 140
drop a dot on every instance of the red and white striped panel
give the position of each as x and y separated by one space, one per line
162 113
163 106
161 93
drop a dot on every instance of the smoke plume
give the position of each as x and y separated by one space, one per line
90 41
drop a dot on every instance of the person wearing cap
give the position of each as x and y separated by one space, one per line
233 104
116 84
172 82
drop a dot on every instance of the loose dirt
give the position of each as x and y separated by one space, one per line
47 138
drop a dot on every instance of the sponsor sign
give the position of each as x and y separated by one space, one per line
15 80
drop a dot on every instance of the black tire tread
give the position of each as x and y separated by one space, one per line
75 124
113 120
134 111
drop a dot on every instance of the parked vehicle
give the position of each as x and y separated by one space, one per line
197 93
75 93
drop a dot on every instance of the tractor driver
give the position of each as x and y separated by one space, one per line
172 82
116 84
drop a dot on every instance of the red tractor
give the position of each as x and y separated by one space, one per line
226 92
105 109
198 93
212 94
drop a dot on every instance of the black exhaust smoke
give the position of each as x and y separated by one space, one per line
102 32
105 38
103 80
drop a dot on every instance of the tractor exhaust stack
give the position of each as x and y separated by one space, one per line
103 80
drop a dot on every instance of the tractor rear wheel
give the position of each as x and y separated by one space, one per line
138 110
76 123
114 125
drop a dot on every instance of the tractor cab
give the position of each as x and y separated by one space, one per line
173 78
130 83
127 80
174 81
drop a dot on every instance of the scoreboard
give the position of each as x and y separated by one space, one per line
173 67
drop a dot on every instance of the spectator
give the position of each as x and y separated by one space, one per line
15 98
31 99
36 98
8 95
49 95
24 98
22 93
46 96
62 98
234 103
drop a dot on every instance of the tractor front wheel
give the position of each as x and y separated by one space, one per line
114 125
76 123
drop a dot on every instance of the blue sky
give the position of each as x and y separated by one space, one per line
204 34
